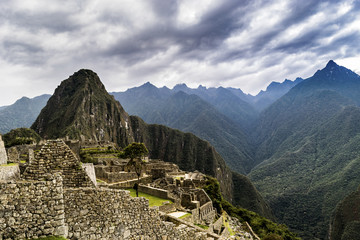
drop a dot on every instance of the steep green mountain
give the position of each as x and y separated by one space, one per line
345 223
81 108
229 102
22 113
190 113
308 152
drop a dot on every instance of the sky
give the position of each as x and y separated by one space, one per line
244 44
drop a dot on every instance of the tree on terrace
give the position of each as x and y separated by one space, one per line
135 151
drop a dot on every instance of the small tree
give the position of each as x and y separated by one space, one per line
135 151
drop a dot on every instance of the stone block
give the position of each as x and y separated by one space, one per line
3 155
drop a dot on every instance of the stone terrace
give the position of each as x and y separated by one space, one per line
55 156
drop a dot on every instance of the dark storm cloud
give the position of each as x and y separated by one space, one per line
244 44
194 41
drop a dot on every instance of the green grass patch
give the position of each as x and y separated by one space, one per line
153 201
202 226
185 216
8 165
22 161
99 181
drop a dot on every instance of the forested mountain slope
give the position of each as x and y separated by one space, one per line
308 149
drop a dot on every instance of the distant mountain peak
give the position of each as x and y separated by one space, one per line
335 72
180 87
331 64
148 84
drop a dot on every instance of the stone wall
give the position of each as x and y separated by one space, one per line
157 192
90 171
8 173
130 183
3 156
207 213
113 214
32 209
13 155
55 156
158 164
113 177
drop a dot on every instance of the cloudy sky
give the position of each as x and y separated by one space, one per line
238 43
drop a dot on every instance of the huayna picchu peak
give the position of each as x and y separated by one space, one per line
81 108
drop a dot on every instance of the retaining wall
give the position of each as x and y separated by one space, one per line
157 192
32 209
113 214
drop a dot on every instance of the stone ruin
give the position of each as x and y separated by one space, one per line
3 155
188 196
56 197
55 156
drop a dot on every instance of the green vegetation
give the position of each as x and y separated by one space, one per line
191 113
135 151
153 200
185 215
8 164
87 154
312 171
227 225
202 226
346 220
81 106
260 225
20 136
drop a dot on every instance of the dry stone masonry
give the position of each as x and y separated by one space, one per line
32 209
56 156
113 214
56 197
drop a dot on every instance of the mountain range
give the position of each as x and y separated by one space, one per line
82 109
22 113
223 116
298 141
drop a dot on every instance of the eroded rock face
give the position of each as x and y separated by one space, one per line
3 156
